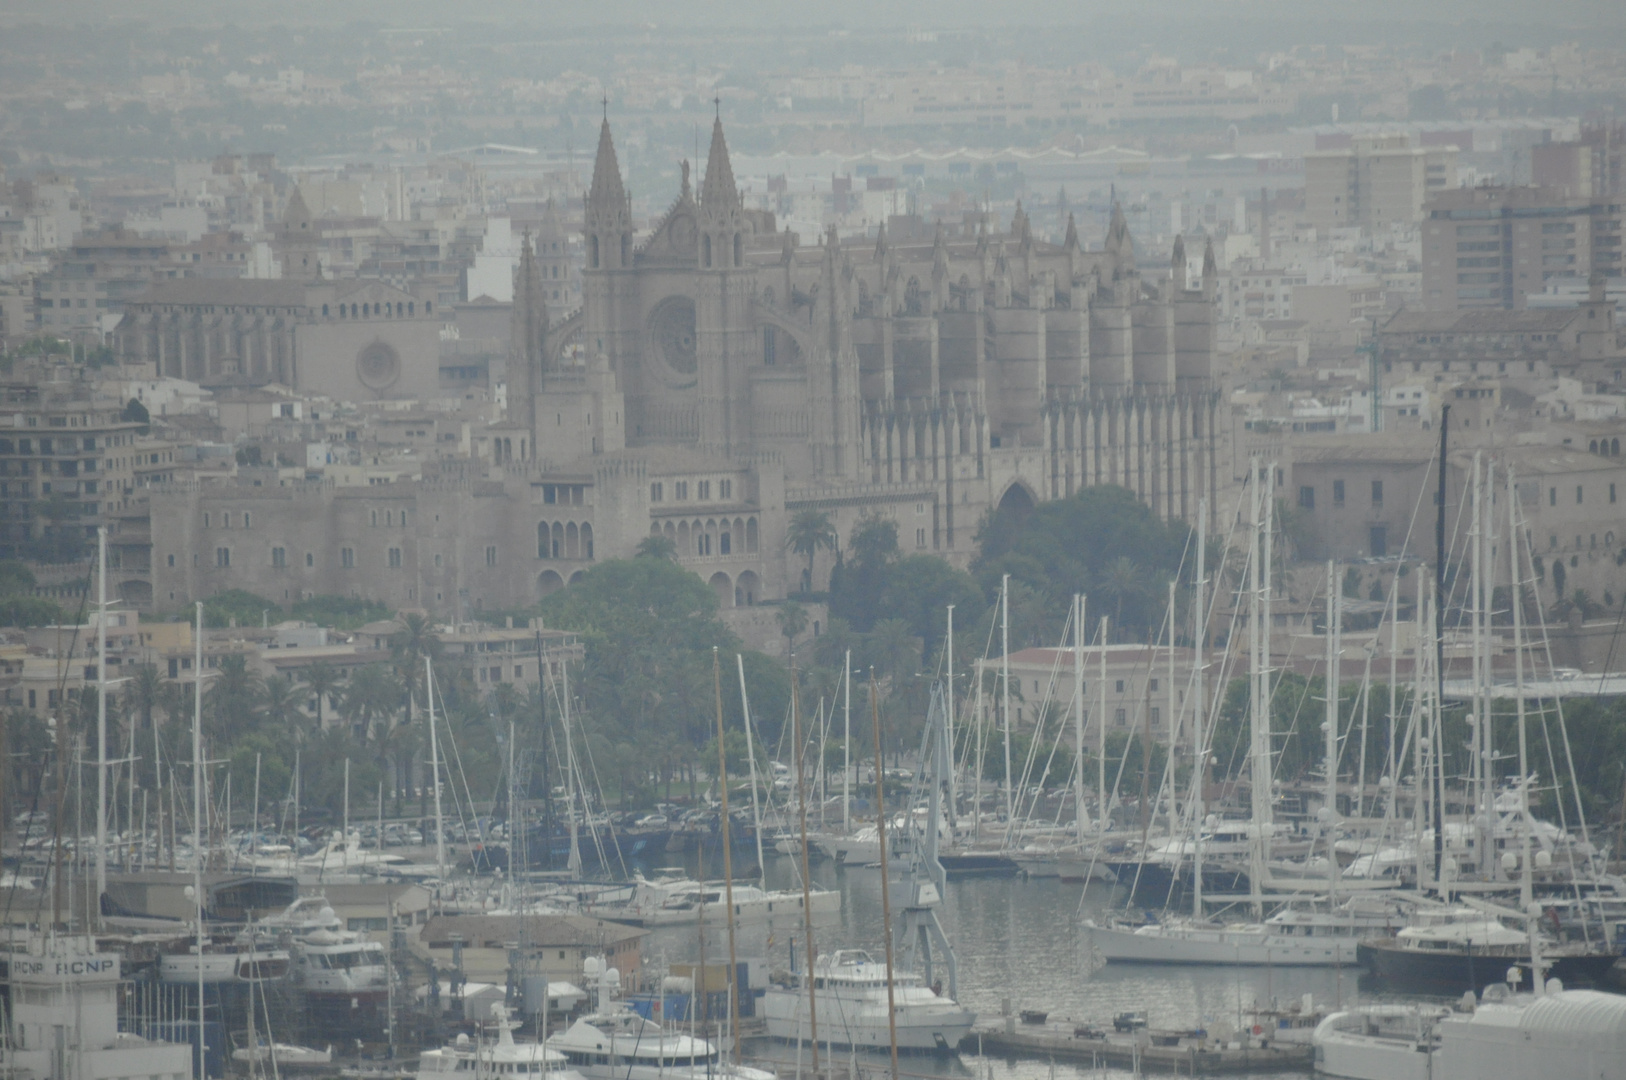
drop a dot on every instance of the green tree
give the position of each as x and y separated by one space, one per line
792 619
656 546
808 531
231 701
323 681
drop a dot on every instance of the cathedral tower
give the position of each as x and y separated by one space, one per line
527 334
725 336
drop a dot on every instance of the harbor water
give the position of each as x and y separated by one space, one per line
1018 941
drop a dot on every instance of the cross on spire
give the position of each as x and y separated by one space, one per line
605 101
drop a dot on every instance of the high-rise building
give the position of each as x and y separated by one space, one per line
1491 247
1375 182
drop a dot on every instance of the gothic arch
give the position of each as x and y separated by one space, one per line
549 582
724 589
747 589
1018 498
800 334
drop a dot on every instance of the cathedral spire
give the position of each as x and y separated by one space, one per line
940 266
1070 242
880 243
718 195
606 195
1117 232
1177 263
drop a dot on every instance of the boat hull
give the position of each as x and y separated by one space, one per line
1473 968
1221 946
859 1024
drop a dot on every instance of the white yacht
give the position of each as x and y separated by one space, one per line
615 1043
63 1020
225 959
685 902
850 989
1557 1035
1296 936
478 1058
341 968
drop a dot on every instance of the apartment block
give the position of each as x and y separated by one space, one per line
1491 247
1376 182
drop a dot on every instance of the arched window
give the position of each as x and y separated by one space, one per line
705 249
1614 447
592 252
751 536
558 540
428 307
626 249
572 542
387 308
412 307
324 311
587 541
739 250
352 311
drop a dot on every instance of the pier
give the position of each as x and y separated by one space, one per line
1182 1053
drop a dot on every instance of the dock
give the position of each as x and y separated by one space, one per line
1149 1050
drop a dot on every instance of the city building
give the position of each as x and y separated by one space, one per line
1492 247
1376 182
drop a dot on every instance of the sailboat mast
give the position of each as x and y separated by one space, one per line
807 888
1517 597
434 774
953 787
574 860
1174 715
847 742
101 719
1101 810
1199 713
728 862
1335 617
1258 718
1081 817
1005 682
751 761
1439 637
886 886
197 810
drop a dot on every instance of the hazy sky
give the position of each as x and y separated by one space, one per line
1370 15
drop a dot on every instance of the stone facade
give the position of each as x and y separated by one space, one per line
721 375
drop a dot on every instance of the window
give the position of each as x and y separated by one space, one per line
248 521
347 558
680 490
1152 685
279 557
1338 493
310 560
1578 499
205 515
1377 537
172 560
491 555
702 490
725 544
1552 496
394 557
1611 492
222 557
1377 493
655 492
725 489
1120 686
1157 716
702 544
1120 717
1307 497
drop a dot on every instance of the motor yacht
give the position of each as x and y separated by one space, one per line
478 1058
1300 935
851 993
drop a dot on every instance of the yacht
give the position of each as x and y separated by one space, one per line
615 1043
473 1058
851 991
1556 1035
341 973
685 902
1463 952
1299 935
225 959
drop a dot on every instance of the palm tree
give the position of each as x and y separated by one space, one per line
142 691
792 621
280 700
231 700
896 649
373 695
322 680
808 531
656 546
1122 582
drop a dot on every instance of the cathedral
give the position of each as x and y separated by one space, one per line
722 374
